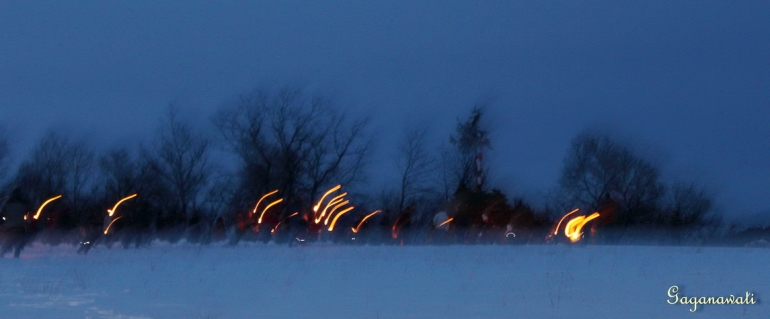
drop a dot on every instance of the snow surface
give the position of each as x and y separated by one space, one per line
329 281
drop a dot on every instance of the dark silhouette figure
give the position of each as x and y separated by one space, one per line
15 223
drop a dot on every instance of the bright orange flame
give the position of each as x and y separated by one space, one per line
334 201
355 230
266 208
114 208
110 225
260 201
334 221
556 231
331 212
279 223
574 227
331 190
40 210
445 222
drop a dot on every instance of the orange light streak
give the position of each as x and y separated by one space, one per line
331 212
331 190
334 201
40 210
114 208
260 201
266 208
272 231
574 227
355 230
394 230
110 225
334 221
556 231
445 222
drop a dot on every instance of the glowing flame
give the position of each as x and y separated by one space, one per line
357 228
334 221
574 227
266 208
556 231
260 201
272 231
331 190
445 222
334 201
40 210
110 225
114 208
331 212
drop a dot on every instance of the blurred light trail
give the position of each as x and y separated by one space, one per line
334 221
331 212
556 231
110 225
331 190
114 208
357 228
260 201
279 223
334 201
395 229
574 227
39 210
266 208
445 222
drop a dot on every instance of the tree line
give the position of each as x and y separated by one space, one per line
302 144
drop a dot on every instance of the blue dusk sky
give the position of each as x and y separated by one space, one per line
686 83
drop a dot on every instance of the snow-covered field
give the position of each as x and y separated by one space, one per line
327 281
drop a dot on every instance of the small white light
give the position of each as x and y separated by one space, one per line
510 233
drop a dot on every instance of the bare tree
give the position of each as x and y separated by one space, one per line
80 176
596 167
293 143
470 141
414 164
448 178
180 157
340 155
119 172
58 166
294 127
244 129
689 205
44 172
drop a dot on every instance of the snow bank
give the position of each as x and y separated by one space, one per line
327 281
